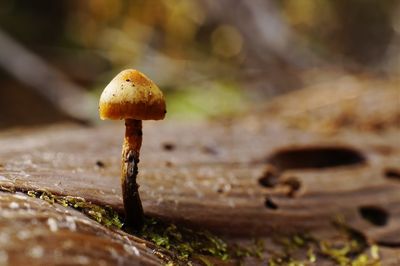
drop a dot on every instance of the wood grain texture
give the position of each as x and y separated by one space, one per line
39 233
206 174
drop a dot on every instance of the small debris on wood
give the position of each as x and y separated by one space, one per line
270 204
169 164
209 150
168 146
100 164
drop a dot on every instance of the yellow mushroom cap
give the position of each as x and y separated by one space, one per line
132 95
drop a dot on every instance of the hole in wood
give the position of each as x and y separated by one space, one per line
390 244
168 146
269 178
374 214
294 185
270 204
315 158
392 173
100 164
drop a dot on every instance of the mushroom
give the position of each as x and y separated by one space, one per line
134 97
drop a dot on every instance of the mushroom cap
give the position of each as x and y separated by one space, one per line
132 95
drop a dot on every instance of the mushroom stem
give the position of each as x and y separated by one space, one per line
130 159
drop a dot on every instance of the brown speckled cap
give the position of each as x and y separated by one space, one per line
132 95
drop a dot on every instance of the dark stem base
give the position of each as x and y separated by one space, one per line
130 158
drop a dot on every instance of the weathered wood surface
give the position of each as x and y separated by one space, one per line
39 233
320 153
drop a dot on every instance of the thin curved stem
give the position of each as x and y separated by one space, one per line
130 158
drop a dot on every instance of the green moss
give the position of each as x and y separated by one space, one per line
188 245
102 214
255 250
349 248
353 250
184 242
311 256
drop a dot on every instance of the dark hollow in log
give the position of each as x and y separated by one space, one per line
392 173
315 158
374 214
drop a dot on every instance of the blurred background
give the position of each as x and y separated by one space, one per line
209 57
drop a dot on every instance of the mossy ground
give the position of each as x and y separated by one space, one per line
304 249
102 214
187 244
